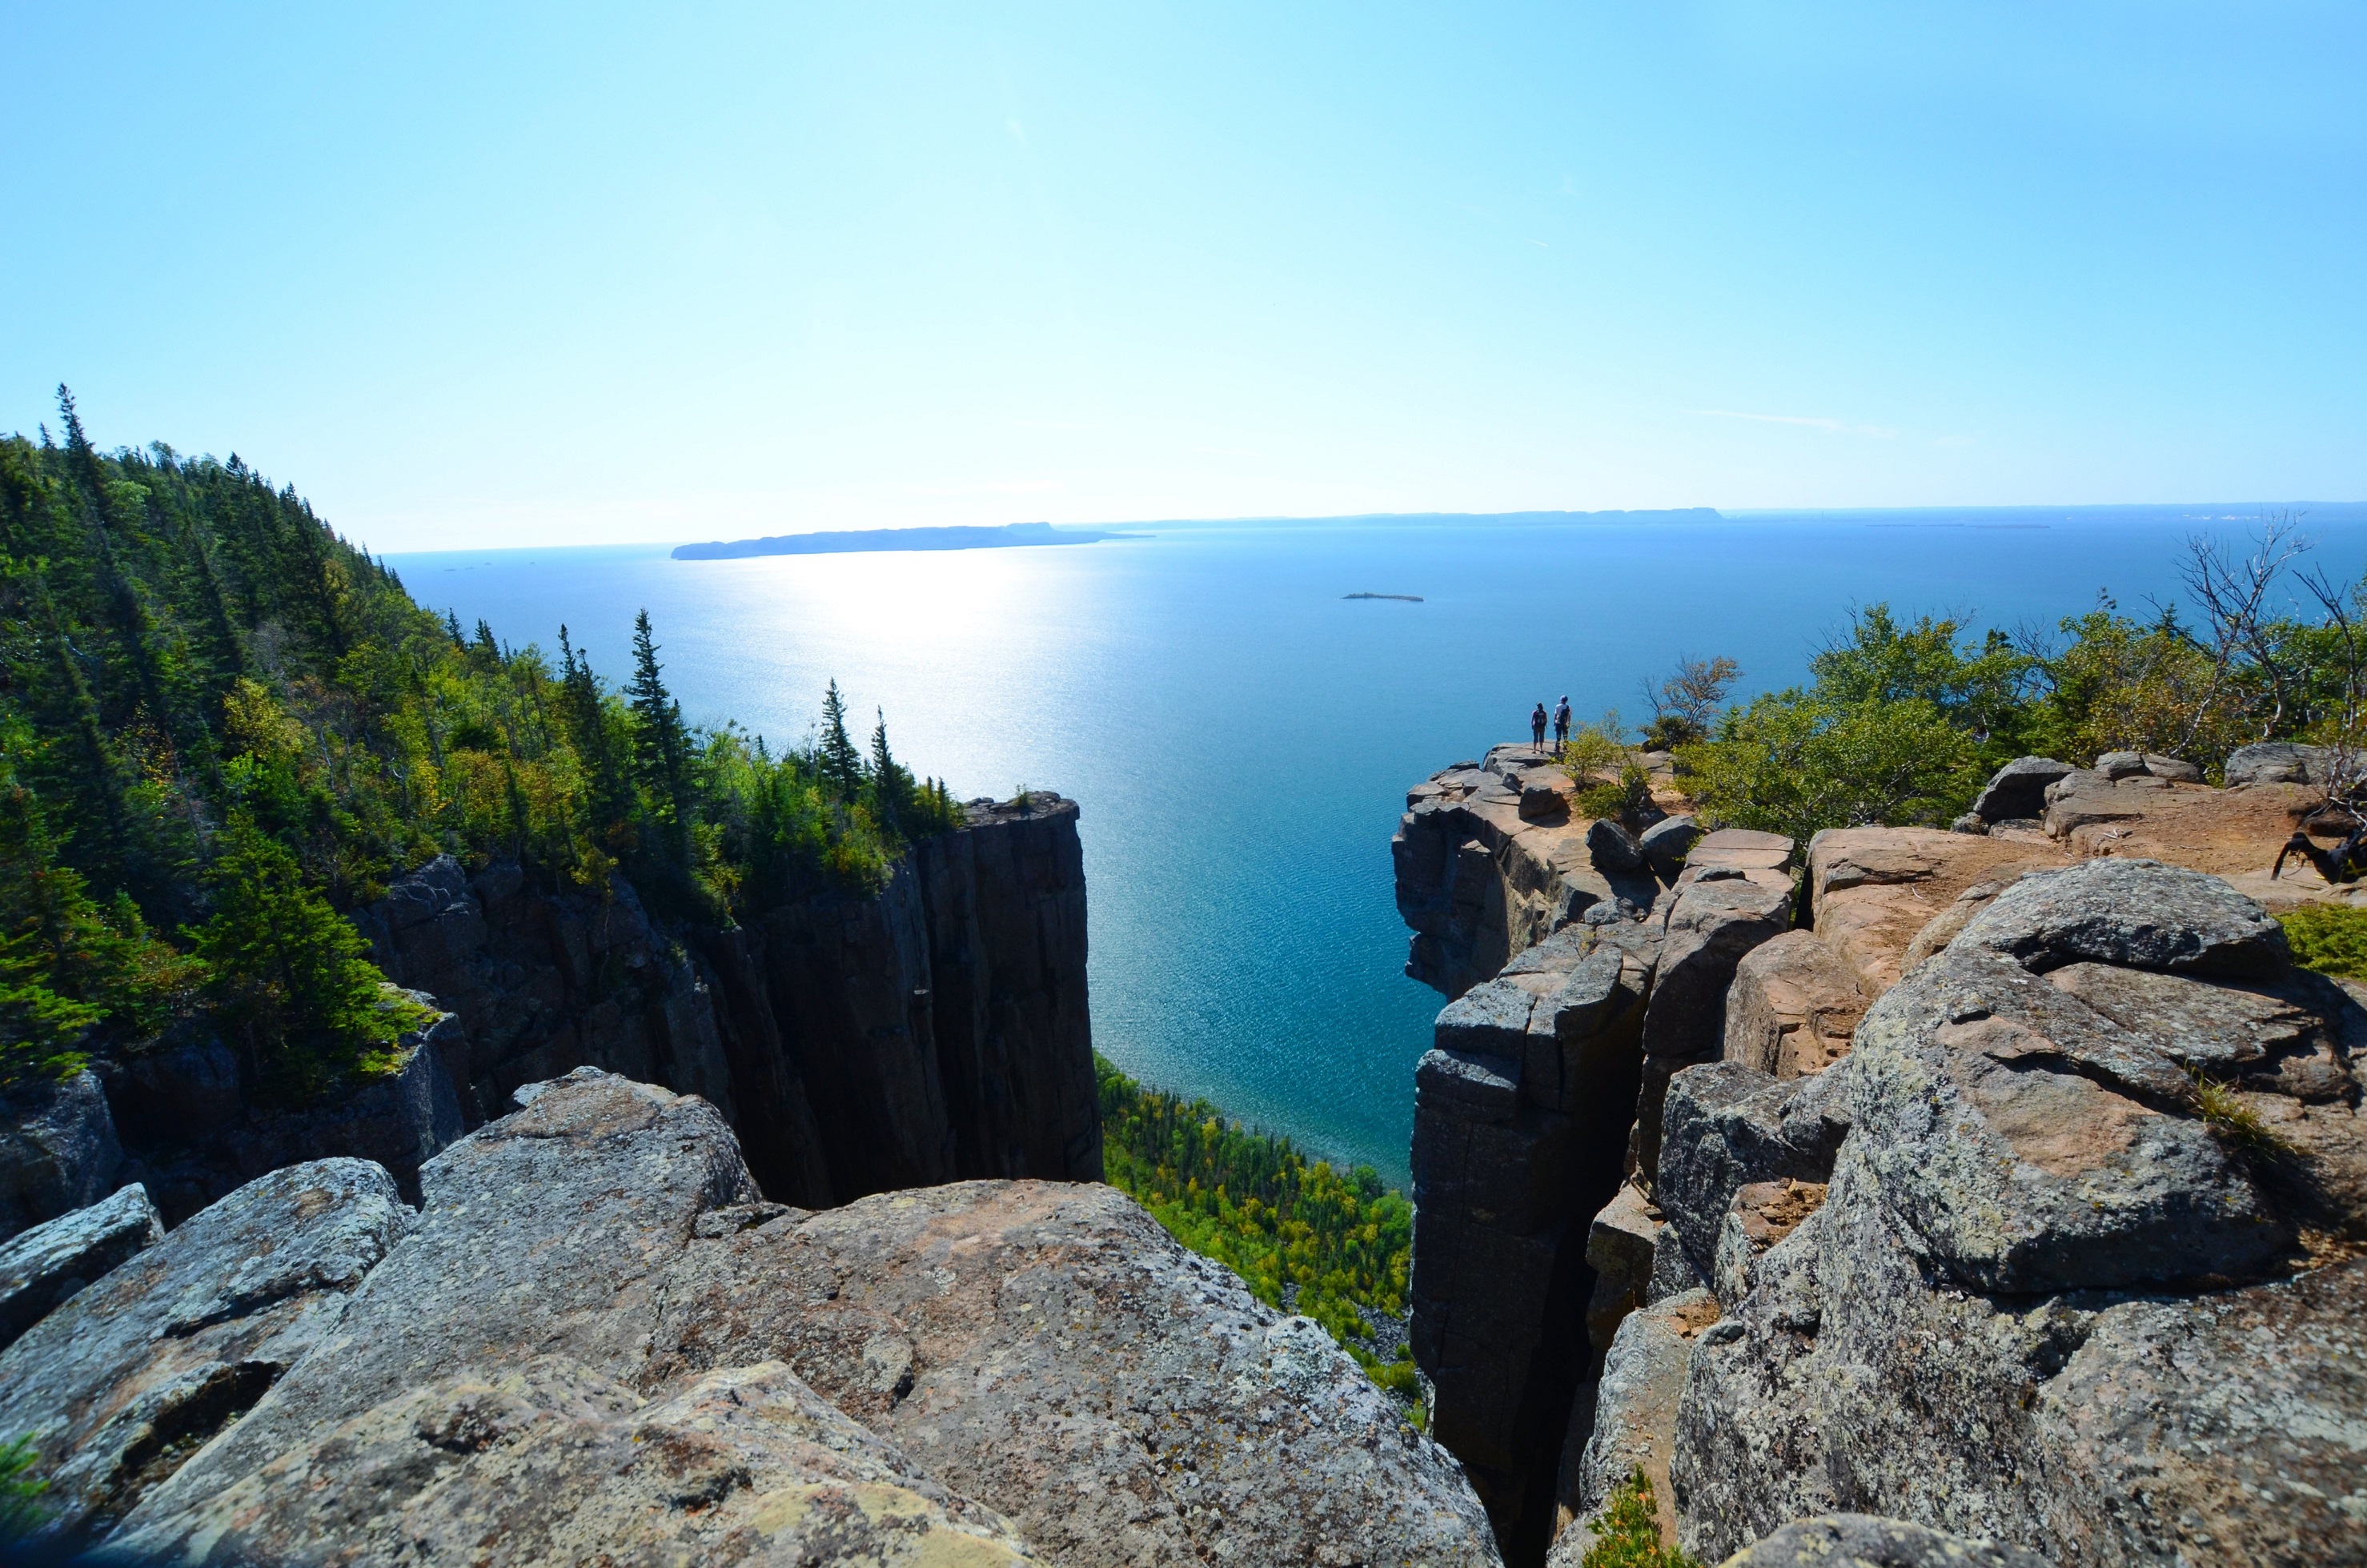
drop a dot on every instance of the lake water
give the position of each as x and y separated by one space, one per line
1241 737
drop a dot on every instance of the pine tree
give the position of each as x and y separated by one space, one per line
661 743
840 764
452 630
585 716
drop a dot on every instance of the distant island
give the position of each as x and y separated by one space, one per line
852 540
1408 598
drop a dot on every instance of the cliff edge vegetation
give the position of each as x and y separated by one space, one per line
1332 1244
221 724
1903 720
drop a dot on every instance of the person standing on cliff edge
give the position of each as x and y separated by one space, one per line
1561 726
1538 729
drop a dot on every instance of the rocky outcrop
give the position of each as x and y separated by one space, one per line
198 1124
1479 880
59 1151
1521 1119
1862 1540
1735 894
118 1386
2283 762
1871 891
1793 1007
45 1267
2096 1082
2056 1294
937 1031
597 1340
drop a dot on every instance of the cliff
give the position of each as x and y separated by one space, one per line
2008 1183
594 1341
937 1031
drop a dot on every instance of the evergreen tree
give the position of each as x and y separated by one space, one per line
452 630
660 744
840 764
890 787
290 975
585 716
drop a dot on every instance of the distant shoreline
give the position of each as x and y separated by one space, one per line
1408 598
858 540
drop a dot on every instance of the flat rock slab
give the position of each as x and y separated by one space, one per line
551 1464
1862 1540
118 1385
2139 914
1050 1351
42 1268
1874 889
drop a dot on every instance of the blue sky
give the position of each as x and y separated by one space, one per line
591 273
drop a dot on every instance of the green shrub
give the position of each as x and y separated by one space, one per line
1792 763
1628 1532
2329 937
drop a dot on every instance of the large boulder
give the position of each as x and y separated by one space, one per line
2280 761
1793 1007
138 1370
2017 790
2138 913
599 1339
1724 1127
550 1463
1048 1349
2084 1278
42 1268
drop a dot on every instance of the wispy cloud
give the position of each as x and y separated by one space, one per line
1829 426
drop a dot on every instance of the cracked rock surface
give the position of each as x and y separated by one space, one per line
2086 1278
597 1343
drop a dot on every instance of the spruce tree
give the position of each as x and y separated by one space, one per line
289 974
840 764
661 743
892 786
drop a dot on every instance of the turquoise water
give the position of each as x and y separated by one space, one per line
1241 737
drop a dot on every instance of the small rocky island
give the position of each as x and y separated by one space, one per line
1402 598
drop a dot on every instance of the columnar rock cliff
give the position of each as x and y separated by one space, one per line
2005 1182
596 1342
937 1031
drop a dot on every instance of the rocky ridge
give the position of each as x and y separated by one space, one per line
1957 1185
936 1031
595 1340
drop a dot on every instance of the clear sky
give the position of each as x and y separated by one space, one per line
479 274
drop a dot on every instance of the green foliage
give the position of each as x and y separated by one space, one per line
1792 763
68 968
289 977
1627 1533
21 1510
249 725
1256 1203
2329 937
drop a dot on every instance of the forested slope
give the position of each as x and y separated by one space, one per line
221 724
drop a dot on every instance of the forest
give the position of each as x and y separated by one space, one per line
1333 1244
221 725
1903 720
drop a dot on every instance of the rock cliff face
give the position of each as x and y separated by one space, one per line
596 1342
2006 1183
936 1031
